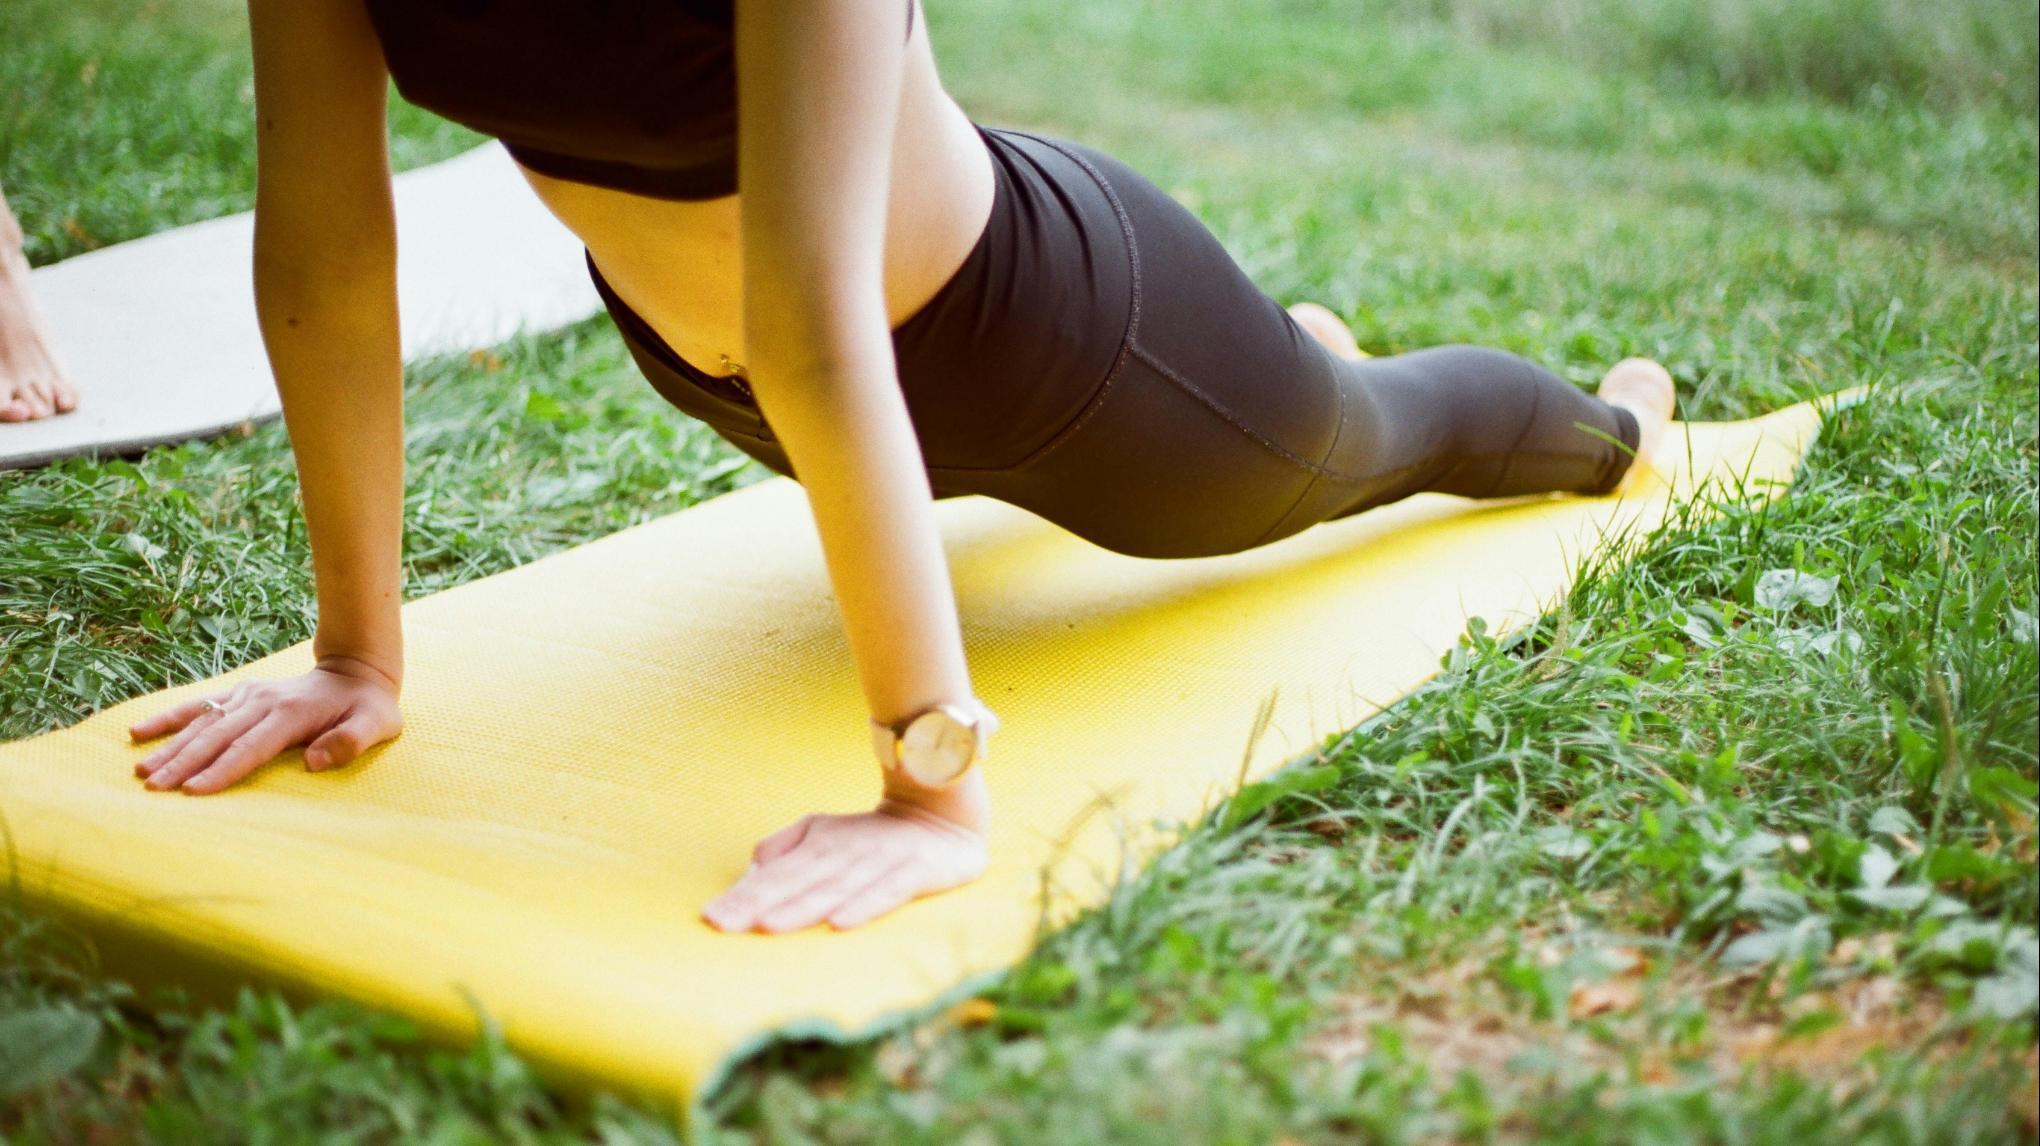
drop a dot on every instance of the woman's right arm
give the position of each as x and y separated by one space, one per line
326 297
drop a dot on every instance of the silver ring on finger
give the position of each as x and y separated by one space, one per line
212 705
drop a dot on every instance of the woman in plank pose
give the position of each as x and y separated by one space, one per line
892 302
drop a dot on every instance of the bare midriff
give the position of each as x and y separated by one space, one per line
679 263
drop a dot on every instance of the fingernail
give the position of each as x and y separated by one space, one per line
315 759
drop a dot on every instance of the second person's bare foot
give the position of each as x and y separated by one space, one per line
1327 328
1645 389
32 385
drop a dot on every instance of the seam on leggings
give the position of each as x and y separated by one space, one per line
1510 455
1133 315
1331 452
1240 424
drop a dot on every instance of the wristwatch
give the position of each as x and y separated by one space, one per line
937 744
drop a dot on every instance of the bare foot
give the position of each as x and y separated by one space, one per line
1645 389
32 385
1327 328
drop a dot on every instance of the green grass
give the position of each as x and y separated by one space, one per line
1850 51
1688 862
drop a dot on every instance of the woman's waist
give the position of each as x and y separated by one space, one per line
691 289
679 264
1007 351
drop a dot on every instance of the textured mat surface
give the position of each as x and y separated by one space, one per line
160 333
584 767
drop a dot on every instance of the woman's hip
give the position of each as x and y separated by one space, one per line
1098 358
1004 355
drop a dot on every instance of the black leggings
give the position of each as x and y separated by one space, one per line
1100 360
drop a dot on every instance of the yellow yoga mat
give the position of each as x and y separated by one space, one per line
596 740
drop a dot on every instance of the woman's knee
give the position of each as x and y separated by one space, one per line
1477 369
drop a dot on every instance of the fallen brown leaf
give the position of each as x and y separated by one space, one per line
973 1012
1590 999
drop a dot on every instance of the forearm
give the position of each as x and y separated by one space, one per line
329 322
819 93
834 401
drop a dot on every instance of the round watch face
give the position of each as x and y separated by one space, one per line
937 747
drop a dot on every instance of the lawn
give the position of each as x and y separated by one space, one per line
1736 847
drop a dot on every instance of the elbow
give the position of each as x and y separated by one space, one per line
300 235
335 297
289 253
302 273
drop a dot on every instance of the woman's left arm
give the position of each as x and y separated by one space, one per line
818 94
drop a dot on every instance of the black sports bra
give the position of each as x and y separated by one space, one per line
637 95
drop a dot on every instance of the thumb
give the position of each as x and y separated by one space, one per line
342 743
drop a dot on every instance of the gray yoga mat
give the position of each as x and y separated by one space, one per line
160 333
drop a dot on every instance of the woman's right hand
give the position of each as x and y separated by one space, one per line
338 710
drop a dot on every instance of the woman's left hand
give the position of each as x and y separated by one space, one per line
849 870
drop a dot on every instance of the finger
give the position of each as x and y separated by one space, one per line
817 903
249 751
765 887
201 750
726 910
343 742
892 890
761 889
147 765
169 720
782 841
170 748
